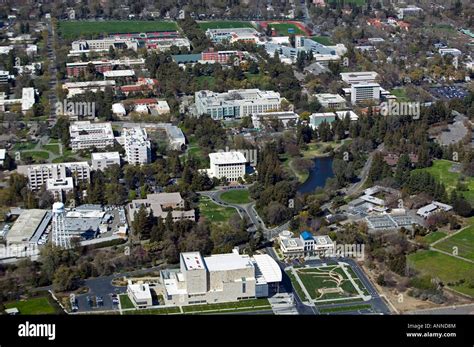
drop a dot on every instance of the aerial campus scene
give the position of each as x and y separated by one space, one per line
277 157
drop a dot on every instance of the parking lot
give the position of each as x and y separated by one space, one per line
449 92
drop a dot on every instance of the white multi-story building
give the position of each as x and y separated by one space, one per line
365 92
332 101
104 44
287 118
230 165
359 77
408 11
85 134
236 103
103 160
39 174
137 146
27 99
450 51
306 245
60 187
232 35
220 278
139 294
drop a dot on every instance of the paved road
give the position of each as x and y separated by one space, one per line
356 187
52 71
248 211
459 309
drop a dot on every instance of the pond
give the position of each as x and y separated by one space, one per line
318 174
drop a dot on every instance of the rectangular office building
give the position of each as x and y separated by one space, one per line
236 103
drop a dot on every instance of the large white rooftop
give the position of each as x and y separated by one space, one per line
220 158
359 77
228 261
269 268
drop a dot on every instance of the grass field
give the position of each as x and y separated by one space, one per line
446 268
400 93
332 278
296 286
239 305
324 40
225 24
36 155
125 301
350 308
213 212
64 159
75 29
52 147
24 146
463 241
154 311
434 236
236 196
440 170
282 29
39 305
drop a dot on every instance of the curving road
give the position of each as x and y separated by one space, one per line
246 211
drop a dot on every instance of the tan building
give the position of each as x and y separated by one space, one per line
160 204
220 278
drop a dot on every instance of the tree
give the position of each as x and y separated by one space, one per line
65 279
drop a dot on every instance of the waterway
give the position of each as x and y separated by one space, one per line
319 173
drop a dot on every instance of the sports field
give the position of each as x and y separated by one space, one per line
40 305
456 273
461 243
76 29
282 29
224 24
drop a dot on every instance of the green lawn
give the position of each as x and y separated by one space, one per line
282 29
242 305
446 268
400 93
64 159
236 196
76 29
345 308
153 311
296 286
224 24
440 170
205 82
434 236
24 146
40 305
125 301
52 147
36 155
464 241
319 278
324 40
213 212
